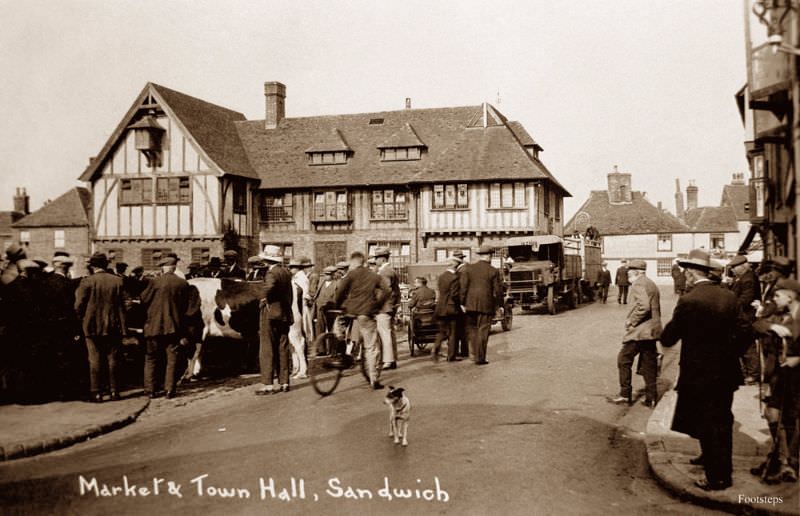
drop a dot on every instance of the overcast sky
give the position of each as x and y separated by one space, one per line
647 85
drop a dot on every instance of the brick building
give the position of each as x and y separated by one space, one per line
60 225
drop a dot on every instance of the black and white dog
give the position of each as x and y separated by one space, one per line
399 414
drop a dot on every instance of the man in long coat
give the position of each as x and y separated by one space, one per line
642 329
705 320
448 306
747 289
276 317
622 283
481 293
166 299
100 307
461 318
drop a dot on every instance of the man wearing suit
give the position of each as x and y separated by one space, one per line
642 329
461 320
62 326
323 301
481 292
603 281
362 293
705 320
421 296
276 317
747 288
622 283
99 305
231 269
447 310
165 299
385 318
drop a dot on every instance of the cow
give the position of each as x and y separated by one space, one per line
229 310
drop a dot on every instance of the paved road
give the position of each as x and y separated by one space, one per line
531 433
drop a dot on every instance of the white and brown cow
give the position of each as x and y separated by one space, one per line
230 316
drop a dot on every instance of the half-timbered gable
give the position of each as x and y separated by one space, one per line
172 176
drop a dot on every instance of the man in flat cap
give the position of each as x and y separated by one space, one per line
385 317
642 330
481 292
324 300
462 344
783 402
448 306
231 268
100 307
747 289
165 299
275 318
705 321
603 282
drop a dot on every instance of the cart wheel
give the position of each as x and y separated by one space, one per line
551 300
411 337
508 318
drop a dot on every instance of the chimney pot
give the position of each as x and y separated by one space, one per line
275 94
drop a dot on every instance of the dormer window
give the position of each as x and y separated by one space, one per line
327 158
401 153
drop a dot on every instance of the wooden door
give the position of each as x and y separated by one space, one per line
329 253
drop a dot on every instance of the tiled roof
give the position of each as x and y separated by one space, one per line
69 210
330 142
638 217
522 134
712 219
454 150
210 125
7 218
404 137
737 196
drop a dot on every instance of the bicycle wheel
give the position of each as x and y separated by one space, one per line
325 372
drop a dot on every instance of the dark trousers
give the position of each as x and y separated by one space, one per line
648 366
622 294
716 439
478 327
751 363
161 352
602 293
462 344
103 351
275 353
447 331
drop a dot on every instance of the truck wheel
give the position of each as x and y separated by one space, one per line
551 300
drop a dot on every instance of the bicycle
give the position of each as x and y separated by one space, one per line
326 371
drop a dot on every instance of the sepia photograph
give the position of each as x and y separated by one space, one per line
384 257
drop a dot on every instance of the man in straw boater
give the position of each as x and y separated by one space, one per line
706 321
99 305
642 329
166 299
481 293
275 354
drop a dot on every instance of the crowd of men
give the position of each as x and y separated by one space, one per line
736 326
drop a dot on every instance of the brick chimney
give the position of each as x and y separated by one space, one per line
275 93
22 202
619 187
679 207
738 179
691 196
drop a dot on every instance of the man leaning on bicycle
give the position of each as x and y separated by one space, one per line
361 294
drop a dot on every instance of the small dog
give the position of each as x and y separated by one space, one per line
399 414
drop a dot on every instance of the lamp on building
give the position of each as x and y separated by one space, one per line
758 188
148 135
773 14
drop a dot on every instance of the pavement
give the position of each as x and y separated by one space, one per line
27 430
669 453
